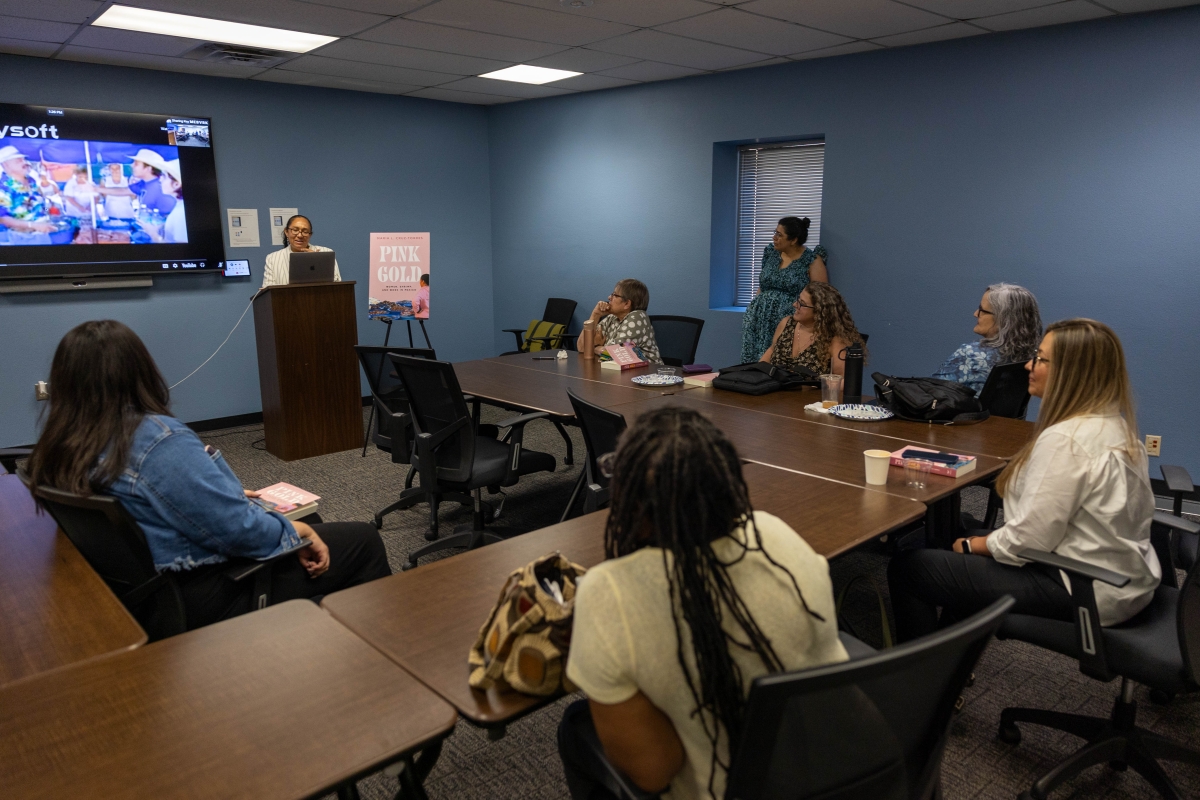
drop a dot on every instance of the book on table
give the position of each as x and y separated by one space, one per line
700 380
943 465
623 357
291 501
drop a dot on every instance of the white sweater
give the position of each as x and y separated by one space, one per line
276 271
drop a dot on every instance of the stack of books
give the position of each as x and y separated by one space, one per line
949 464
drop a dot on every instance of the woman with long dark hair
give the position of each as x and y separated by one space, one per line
788 265
817 333
700 596
109 431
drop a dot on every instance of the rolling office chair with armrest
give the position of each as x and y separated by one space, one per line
677 338
871 727
1179 484
9 456
113 543
452 455
601 430
1159 647
540 335
1004 394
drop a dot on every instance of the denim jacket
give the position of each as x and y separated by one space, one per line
189 503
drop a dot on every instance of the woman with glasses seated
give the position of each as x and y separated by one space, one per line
1011 326
700 595
296 233
622 318
816 334
1080 489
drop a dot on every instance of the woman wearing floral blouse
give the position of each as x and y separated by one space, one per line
622 318
1011 327
787 267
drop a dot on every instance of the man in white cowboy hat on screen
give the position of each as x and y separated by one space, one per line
24 210
174 230
147 168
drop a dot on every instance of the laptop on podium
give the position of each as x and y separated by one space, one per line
311 267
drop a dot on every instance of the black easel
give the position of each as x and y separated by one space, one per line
387 321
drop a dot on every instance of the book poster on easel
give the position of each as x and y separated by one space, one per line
399 285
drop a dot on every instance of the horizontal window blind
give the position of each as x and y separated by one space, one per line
776 181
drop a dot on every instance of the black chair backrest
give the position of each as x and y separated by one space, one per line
677 338
1188 613
874 727
601 429
437 402
1006 392
112 542
386 389
559 310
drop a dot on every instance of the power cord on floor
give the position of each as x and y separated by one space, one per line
210 358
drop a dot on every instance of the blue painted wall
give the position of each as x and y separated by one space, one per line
1066 159
354 162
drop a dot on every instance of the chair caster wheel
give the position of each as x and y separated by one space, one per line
407 565
378 523
431 535
1161 698
1118 766
1010 734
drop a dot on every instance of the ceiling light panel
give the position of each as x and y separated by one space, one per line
204 29
526 73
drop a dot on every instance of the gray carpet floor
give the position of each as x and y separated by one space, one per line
524 763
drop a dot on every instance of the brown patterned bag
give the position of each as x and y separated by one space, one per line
523 645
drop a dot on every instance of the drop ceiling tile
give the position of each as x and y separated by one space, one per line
651 71
840 50
588 83
389 8
77 11
358 70
525 22
19 47
505 88
451 96
1070 11
290 14
970 9
578 59
335 82
95 55
861 19
954 30
410 57
661 46
1134 6
768 62
736 28
36 30
450 40
133 42
642 13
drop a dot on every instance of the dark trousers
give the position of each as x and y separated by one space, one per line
588 776
356 555
921 581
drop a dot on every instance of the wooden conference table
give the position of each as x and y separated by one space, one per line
426 619
54 609
282 703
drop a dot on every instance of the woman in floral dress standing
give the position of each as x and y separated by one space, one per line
787 267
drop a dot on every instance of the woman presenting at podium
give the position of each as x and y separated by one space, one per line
296 234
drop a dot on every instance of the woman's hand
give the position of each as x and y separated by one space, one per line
600 311
252 493
40 227
315 557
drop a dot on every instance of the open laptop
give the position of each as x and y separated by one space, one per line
311 267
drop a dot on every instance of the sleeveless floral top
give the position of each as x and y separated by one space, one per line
808 358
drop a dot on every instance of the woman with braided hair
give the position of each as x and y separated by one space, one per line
816 334
701 595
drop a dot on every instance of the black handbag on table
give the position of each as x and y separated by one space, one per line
759 378
928 400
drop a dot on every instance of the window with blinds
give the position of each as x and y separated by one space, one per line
774 181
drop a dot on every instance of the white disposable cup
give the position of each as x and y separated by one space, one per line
877 462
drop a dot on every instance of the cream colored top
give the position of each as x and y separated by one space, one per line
1080 495
624 637
276 271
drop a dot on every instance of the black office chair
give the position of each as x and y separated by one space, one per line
113 543
677 338
872 727
9 456
601 430
451 455
1004 394
1160 647
1179 484
559 311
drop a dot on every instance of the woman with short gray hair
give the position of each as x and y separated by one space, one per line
1011 327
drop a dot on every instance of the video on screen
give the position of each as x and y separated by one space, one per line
84 192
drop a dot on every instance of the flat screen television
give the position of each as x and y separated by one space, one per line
100 193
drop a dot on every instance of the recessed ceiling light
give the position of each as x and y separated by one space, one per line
188 27
523 73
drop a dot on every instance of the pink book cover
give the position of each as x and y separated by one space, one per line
624 356
398 263
705 379
286 497
965 463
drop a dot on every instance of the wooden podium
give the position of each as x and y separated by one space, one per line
307 369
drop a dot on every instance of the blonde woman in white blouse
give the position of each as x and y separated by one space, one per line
296 233
1080 489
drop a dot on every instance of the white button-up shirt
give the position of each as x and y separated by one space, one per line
276 272
1080 495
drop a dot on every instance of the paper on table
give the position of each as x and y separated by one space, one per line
817 407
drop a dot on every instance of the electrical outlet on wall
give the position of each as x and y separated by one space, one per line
41 390
1153 445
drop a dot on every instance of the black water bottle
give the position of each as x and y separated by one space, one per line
852 384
